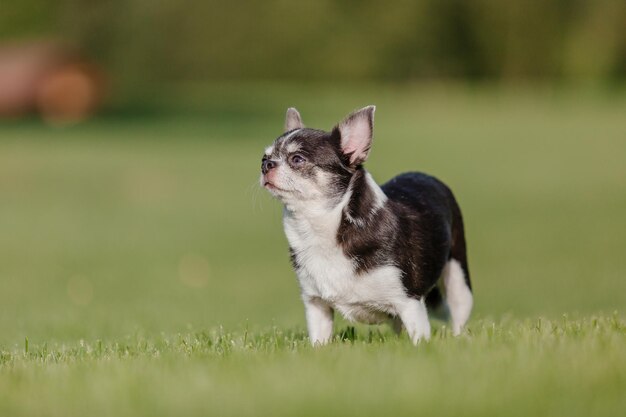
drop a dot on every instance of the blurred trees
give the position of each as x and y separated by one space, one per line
142 42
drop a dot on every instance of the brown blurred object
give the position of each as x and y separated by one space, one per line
49 78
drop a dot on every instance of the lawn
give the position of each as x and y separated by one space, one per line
144 272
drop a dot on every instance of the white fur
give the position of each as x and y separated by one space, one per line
319 318
381 197
328 278
286 138
292 147
415 319
458 295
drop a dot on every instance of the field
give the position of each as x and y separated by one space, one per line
144 272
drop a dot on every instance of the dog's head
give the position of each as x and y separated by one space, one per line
304 165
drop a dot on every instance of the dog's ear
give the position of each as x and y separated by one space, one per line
293 120
356 134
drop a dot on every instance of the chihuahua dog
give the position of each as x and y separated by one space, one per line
373 253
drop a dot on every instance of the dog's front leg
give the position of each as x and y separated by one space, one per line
319 318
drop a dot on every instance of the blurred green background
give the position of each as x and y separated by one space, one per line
144 44
119 226
148 217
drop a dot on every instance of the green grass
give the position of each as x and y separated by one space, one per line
517 368
149 275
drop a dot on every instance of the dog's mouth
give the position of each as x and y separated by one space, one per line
270 186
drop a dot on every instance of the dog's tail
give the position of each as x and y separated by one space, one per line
458 249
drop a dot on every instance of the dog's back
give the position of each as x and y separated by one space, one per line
434 213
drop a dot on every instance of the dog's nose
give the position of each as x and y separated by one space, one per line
267 165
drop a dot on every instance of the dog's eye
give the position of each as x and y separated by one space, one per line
297 159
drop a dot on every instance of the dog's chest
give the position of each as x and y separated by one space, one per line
324 271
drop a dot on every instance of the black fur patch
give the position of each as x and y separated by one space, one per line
294 259
418 230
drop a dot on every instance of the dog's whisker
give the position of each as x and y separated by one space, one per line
254 189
